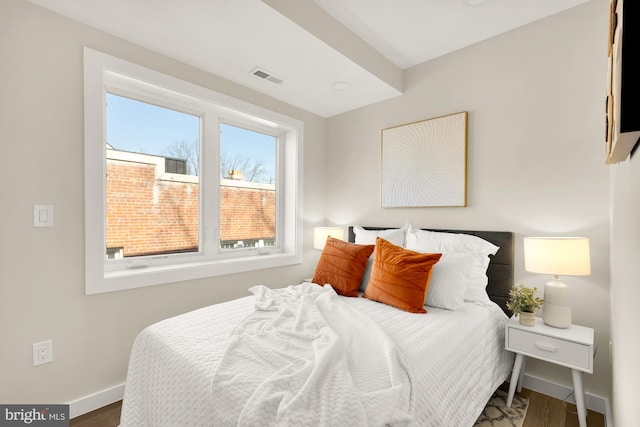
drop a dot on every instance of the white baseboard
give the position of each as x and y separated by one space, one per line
96 401
594 402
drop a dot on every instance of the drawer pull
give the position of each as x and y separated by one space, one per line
546 347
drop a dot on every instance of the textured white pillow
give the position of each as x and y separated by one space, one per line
448 282
476 263
433 241
368 237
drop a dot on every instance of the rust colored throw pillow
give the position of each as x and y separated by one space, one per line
342 265
400 277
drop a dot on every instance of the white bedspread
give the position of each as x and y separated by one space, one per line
293 362
456 360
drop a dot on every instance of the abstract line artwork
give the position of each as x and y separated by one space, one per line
424 164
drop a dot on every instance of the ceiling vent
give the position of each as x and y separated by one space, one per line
264 74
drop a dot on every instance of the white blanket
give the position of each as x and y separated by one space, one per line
457 361
304 357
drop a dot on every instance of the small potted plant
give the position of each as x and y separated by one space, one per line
524 304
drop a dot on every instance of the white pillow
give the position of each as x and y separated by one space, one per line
367 274
440 242
448 282
476 262
368 237
477 265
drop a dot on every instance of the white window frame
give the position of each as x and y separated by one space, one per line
104 73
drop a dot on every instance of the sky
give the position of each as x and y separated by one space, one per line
145 128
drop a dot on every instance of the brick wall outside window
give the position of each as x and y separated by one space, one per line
150 212
247 213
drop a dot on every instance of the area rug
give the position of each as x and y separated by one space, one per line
496 413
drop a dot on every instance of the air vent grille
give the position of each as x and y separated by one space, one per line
264 74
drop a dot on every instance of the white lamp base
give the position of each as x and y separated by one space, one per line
556 310
558 316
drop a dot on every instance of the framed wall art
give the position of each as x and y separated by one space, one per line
424 164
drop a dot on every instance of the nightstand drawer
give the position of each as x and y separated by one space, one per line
571 354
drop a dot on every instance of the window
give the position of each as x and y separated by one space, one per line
151 204
247 188
182 182
175 166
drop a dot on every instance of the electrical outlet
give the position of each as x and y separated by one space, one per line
42 352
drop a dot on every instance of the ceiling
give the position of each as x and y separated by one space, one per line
309 44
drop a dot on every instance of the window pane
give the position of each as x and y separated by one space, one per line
247 188
152 186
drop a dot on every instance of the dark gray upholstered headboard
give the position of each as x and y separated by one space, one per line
500 271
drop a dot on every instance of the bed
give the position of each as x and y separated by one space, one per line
433 369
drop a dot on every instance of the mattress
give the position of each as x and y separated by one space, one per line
457 360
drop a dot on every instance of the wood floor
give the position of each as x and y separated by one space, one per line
108 416
543 411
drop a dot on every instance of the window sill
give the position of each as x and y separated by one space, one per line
141 276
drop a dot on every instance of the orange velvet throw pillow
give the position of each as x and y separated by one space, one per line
400 277
342 265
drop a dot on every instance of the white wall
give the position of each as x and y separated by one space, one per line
535 98
535 101
625 290
41 269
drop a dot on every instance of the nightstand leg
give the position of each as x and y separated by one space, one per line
578 391
521 376
517 365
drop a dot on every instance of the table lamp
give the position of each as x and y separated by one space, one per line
320 235
567 256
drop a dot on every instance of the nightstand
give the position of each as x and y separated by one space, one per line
571 347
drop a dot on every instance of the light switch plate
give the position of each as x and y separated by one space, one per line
42 215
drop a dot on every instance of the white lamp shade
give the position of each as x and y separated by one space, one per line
566 256
320 235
